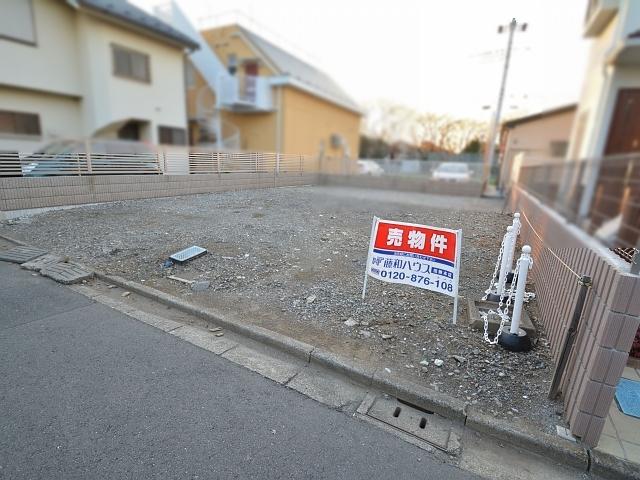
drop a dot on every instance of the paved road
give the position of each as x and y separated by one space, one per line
86 392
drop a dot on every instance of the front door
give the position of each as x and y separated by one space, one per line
624 133
251 68
129 131
250 74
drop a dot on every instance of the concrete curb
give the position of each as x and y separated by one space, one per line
13 240
410 392
532 440
608 466
294 347
551 446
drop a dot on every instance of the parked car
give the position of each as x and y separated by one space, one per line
452 172
108 157
369 167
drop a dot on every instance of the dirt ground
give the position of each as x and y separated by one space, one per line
293 259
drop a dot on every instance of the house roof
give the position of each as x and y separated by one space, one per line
300 73
124 11
537 116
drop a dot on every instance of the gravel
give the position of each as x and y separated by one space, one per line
293 259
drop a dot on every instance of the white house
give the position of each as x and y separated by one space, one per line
611 91
89 68
607 120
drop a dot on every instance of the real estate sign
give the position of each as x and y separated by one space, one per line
417 255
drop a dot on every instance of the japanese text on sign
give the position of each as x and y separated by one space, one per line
417 255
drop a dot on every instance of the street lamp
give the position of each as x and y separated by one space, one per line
511 28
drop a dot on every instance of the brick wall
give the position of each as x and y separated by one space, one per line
407 184
610 317
20 193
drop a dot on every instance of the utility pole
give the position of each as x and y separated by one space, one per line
493 132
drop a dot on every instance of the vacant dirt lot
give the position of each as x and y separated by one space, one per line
293 259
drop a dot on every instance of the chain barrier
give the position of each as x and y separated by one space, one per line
508 294
528 296
504 314
494 278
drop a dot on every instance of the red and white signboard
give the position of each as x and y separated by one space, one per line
417 255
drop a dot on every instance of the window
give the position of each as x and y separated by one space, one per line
558 148
232 63
19 123
189 74
172 136
16 21
131 64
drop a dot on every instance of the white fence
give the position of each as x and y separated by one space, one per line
165 162
189 163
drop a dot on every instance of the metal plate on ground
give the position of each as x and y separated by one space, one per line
188 254
21 254
428 427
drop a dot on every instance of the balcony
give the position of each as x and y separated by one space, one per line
245 93
599 14
626 53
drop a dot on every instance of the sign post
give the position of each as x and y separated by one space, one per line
417 255
374 226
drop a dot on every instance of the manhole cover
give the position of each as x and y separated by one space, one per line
428 427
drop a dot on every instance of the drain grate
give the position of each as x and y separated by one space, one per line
188 254
424 425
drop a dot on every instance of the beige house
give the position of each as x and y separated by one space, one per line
584 209
608 116
246 93
538 137
610 96
89 68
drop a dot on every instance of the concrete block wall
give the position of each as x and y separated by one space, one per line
610 316
407 184
23 193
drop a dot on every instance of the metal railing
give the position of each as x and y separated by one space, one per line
602 196
429 167
214 162
170 161
242 91
77 163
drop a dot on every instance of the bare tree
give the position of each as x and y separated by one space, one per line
449 133
389 121
393 123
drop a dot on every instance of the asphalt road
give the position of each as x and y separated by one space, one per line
87 392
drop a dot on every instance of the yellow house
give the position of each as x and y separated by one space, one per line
255 96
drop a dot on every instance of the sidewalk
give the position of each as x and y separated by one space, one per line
90 392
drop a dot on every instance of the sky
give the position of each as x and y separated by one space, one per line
439 56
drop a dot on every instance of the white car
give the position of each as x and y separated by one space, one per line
369 167
113 157
452 171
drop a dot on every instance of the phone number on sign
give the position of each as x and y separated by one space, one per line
414 278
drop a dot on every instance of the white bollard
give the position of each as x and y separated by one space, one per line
516 222
523 269
509 240
512 251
